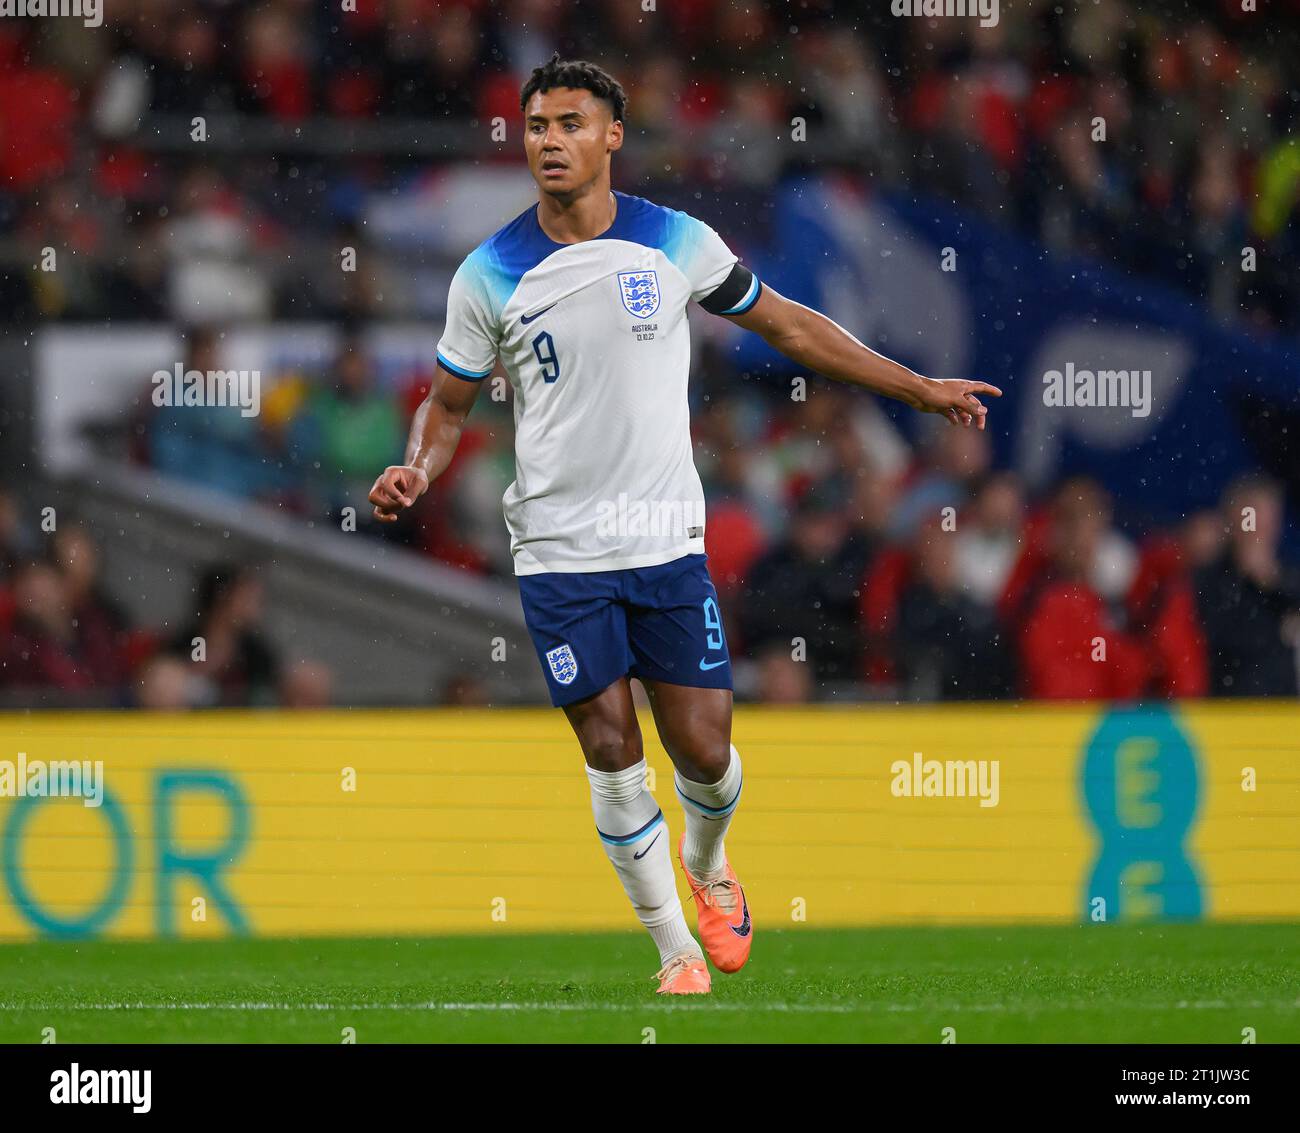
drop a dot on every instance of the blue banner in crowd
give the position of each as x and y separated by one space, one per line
1102 373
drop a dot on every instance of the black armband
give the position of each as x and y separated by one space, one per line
734 295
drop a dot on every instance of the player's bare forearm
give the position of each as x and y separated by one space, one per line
435 433
811 339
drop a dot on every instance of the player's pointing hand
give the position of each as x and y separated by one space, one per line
399 486
956 400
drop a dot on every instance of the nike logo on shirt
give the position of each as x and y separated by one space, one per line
526 319
706 666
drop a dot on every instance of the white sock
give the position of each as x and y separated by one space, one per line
635 835
708 807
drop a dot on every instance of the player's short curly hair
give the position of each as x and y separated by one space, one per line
576 74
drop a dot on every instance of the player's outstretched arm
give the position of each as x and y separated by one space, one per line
435 433
821 344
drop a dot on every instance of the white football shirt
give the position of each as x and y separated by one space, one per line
595 340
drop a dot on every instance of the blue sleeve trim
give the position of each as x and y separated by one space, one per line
460 371
751 297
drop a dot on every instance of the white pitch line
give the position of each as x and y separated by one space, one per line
794 1008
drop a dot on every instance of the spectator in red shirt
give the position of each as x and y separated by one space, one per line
41 650
1071 644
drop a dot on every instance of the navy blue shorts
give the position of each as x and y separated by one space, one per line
660 622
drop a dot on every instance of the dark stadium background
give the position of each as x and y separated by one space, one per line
378 131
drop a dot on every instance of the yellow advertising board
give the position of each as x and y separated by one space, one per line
394 822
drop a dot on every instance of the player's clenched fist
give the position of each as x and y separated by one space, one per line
399 486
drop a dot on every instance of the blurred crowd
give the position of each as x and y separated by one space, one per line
1156 136
66 642
849 561
1159 136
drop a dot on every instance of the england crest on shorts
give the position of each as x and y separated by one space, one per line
640 292
564 666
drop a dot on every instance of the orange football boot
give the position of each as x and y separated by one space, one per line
684 974
725 928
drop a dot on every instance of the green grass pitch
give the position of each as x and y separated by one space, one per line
1190 983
